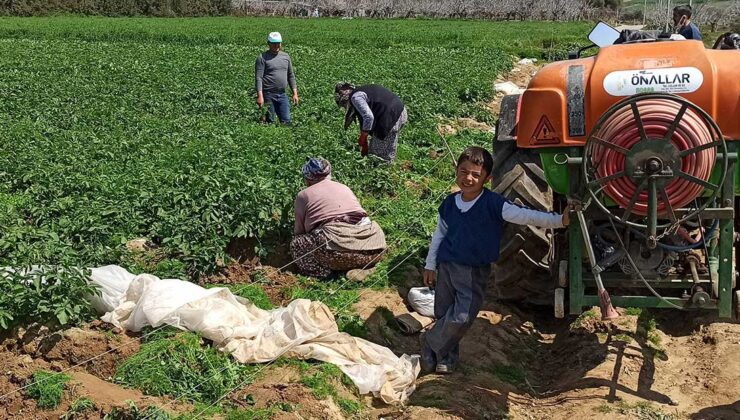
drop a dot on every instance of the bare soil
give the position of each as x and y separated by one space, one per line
523 364
66 352
276 283
281 385
96 352
517 362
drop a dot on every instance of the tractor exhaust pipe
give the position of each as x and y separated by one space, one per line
605 303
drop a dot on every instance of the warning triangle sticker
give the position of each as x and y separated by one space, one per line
545 133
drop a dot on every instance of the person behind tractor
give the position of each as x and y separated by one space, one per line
683 24
381 114
332 230
464 245
273 72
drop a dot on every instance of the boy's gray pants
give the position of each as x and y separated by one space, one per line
458 297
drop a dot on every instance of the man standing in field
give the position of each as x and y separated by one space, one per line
684 25
273 72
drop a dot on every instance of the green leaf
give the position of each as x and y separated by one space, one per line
62 317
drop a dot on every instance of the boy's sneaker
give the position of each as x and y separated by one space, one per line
428 358
444 368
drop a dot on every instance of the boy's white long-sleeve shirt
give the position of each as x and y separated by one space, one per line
510 213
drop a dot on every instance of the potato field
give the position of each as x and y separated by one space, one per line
113 130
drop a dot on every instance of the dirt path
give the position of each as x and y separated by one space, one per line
33 349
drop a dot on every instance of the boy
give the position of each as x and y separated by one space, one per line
464 245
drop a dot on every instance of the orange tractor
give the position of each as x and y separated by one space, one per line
645 135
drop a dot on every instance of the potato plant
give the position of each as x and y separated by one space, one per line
114 129
47 295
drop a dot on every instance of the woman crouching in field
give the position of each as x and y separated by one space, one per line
332 231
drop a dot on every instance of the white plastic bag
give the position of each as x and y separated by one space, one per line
422 300
507 88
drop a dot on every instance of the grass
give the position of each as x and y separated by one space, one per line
78 408
322 380
648 331
585 316
47 388
642 410
510 374
622 337
182 367
254 292
603 409
255 413
633 311
133 412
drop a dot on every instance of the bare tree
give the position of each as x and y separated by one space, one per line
561 10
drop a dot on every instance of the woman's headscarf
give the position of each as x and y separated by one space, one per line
316 169
342 95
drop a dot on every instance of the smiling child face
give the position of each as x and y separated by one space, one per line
471 179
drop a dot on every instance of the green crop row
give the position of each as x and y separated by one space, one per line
111 131
114 129
526 39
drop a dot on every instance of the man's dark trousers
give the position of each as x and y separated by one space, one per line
278 103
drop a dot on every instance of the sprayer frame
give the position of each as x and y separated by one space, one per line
580 279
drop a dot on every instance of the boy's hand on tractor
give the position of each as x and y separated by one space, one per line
430 278
573 205
566 218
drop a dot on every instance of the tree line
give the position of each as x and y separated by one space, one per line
655 15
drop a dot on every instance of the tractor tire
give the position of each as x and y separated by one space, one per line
523 271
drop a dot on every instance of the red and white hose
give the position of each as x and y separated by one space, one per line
657 116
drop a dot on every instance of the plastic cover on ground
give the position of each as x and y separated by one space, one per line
303 329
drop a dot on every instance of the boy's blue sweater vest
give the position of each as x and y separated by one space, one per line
473 238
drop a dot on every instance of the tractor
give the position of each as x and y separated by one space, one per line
644 135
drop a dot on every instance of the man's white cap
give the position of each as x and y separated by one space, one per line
274 37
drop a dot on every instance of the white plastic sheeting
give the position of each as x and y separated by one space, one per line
507 88
304 329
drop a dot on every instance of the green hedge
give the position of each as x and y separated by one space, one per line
161 8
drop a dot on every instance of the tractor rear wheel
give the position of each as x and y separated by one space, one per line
523 271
